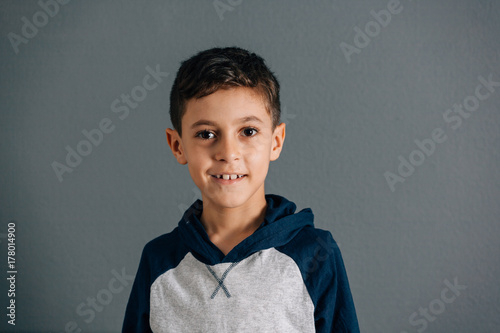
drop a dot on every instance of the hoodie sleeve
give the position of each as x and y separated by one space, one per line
137 313
320 262
335 311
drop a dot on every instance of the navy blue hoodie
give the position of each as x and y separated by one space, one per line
287 276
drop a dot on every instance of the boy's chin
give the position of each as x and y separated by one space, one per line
226 200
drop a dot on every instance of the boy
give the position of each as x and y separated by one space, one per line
240 260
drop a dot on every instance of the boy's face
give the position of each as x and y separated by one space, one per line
217 139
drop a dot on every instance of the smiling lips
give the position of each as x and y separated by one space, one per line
228 179
228 176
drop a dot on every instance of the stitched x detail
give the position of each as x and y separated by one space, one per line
221 280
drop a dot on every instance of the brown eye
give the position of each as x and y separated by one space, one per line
202 135
246 130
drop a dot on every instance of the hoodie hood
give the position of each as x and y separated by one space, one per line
280 225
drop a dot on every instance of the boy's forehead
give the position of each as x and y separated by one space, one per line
235 105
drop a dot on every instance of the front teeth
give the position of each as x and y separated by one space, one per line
229 176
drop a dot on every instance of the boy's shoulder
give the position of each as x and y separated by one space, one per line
311 240
315 251
164 251
168 239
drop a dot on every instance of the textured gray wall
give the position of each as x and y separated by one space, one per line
354 105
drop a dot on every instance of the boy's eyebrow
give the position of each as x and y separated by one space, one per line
241 120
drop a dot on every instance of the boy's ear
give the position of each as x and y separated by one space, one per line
175 143
278 140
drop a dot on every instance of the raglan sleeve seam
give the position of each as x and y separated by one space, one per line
137 311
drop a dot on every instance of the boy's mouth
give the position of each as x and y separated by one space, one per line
228 179
228 176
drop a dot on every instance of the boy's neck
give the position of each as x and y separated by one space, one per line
227 227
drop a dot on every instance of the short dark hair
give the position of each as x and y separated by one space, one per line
223 68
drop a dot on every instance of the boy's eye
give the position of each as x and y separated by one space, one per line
250 129
203 134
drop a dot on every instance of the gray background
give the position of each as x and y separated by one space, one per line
347 123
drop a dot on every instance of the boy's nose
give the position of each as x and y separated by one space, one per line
228 149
